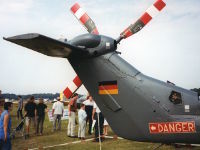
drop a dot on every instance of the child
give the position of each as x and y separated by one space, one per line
82 122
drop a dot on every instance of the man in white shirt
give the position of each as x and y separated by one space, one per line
89 103
57 113
98 116
82 122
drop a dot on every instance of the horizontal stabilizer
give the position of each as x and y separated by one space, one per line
47 45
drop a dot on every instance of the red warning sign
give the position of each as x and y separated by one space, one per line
172 127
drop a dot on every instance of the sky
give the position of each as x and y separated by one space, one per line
168 48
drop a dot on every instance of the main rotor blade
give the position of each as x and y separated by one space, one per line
73 87
83 17
150 13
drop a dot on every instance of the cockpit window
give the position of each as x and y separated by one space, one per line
175 97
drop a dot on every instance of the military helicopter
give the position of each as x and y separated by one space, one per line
136 106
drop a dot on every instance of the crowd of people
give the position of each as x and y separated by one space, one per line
88 113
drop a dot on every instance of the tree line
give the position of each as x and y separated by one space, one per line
52 96
40 95
196 90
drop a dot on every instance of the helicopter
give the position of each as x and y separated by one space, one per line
136 106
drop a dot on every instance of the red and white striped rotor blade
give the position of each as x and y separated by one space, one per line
83 17
150 13
73 87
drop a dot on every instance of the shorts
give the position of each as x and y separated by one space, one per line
29 120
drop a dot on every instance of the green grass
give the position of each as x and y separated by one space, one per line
52 138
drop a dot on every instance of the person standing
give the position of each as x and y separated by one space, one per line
105 124
98 116
30 114
5 127
0 95
82 122
1 102
89 103
20 108
40 113
57 113
72 107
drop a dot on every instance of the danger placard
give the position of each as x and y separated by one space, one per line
172 127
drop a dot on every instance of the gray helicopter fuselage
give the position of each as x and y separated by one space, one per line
137 107
141 100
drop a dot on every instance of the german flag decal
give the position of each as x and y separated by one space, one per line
108 87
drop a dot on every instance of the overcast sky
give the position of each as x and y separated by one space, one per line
168 48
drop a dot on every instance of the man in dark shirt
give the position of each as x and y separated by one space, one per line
30 113
40 115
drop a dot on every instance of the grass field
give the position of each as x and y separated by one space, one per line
50 138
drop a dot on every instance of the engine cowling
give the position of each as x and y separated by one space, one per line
95 44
